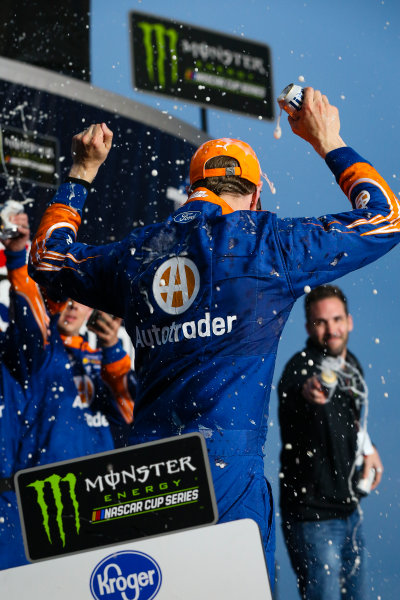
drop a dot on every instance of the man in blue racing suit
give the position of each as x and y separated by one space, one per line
206 293
59 398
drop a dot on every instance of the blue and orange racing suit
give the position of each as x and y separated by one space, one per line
15 455
82 397
64 400
205 296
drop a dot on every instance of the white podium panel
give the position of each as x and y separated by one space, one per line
221 562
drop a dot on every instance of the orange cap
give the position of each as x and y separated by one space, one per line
249 166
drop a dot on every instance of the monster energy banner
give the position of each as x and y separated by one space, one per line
201 66
141 491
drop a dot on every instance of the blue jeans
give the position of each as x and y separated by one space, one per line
328 557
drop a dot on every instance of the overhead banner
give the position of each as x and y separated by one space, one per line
29 156
140 491
203 66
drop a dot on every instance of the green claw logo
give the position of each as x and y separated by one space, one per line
54 481
162 34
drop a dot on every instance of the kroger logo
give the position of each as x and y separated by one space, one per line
186 216
126 575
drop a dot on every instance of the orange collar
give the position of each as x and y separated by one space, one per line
73 341
205 195
77 341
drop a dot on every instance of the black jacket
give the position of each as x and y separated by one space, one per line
319 443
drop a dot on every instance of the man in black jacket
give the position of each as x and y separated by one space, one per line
321 393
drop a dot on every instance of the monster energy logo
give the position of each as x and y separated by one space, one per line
162 34
54 481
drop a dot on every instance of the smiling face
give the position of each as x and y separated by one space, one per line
72 318
329 326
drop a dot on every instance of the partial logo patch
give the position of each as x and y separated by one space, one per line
176 285
85 389
362 199
199 194
126 575
187 216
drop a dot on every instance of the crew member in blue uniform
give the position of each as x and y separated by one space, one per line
13 435
82 396
65 400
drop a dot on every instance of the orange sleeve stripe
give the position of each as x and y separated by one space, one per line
27 288
52 219
333 222
126 406
117 369
364 173
115 376
393 227
82 260
360 173
45 266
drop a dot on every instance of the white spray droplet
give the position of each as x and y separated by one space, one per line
278 130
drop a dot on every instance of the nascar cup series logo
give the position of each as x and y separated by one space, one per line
126 575
176 284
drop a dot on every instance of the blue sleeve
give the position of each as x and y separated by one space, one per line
318 250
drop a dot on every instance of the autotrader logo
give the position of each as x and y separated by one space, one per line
126 575
156 52
176 284
54 481
362 199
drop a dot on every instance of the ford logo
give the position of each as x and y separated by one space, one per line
126 575
187 216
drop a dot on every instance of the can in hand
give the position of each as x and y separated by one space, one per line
328 380
328 375
365 484
291 98
8 229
